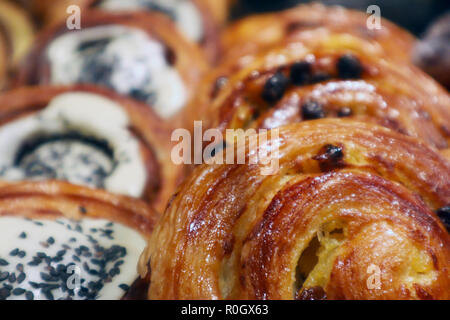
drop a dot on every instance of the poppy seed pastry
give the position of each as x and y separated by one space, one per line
61 241
137 55
87 136
200 21
348 198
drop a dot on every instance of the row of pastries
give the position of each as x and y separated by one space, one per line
93 206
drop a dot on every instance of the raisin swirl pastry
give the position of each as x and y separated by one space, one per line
324 77
254 33
87 136
16 36
198 20
137 55
348 197
61 241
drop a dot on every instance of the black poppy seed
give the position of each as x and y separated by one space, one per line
301 73
35 285
74 257
41 255
444 214
21 254
4 275
114 272
29 295
12 277
51 240
344 112
3 262
118 263
93 272
109 224
57 259
349 67
18 291
93 230
84 248
7 286
38 223
72 239
66 247
23 235
4 293
312 110
61 253
48 277
21 277
19 267
275 87
48 294
124 287
61 268
14 253
86 267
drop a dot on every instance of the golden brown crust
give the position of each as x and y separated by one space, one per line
255 33
213 12
53 199
232 233
163 175
188 59
377 89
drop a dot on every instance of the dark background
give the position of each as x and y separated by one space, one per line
414 15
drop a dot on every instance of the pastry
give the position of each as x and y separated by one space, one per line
198 20
137 55
87 136
348 213
329 76
61 241
16 36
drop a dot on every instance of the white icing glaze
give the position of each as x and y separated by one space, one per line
132 60
36 240
91 115
185 13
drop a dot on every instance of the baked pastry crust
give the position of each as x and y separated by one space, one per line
254 33
52 200
162 174
315 227
186 57
334 75
213 12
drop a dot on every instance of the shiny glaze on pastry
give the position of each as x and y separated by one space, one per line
61 241
348 197
87 136
333 76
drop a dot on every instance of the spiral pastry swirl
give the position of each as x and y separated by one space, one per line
332 76
348 198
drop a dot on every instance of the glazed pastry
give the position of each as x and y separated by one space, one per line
330 76
87 136
254 33
348 213
199 20
61 241
16 36
137 55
